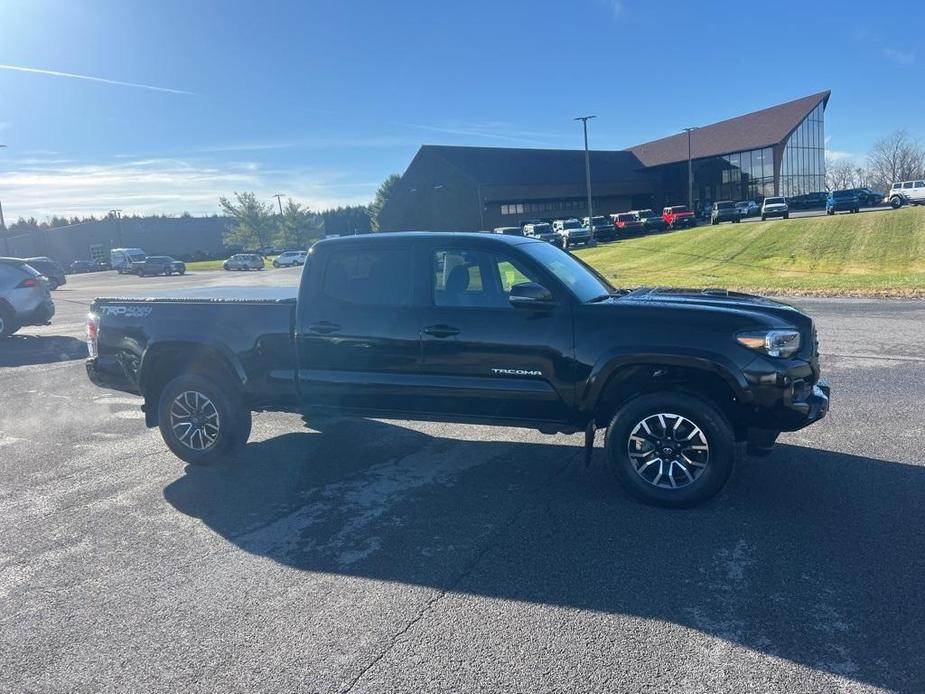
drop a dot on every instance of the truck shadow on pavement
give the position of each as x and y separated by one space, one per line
30 350
812 556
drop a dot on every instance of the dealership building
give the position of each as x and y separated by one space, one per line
776 151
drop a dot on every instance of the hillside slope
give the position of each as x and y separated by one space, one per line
878 253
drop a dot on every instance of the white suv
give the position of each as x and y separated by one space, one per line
775 207
290 258
912 192
24 297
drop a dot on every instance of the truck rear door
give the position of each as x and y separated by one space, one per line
359 346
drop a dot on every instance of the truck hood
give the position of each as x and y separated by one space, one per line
721 299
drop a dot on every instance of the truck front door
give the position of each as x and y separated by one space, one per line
483 358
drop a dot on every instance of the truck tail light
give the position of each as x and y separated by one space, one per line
93 331
29 282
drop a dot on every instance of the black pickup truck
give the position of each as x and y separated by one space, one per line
476 328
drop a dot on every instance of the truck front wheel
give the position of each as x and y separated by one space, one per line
201 421
671 449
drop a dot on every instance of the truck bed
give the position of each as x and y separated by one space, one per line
244 333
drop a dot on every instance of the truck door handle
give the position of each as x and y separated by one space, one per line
441 330
323 327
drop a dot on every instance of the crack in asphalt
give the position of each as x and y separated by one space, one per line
467 570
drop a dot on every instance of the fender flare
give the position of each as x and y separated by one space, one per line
184 342
706 362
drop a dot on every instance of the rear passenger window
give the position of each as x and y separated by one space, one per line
920 184
908 184
369 277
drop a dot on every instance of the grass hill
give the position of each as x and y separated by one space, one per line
877 253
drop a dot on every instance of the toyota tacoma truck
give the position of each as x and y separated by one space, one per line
475 328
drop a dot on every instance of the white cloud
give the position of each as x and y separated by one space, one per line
898 56
164 186
89 78
838 154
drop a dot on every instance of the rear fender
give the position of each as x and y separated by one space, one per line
168 358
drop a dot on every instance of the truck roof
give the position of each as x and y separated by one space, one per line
386 237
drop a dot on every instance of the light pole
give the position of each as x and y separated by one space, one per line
584 124
690 172
117 215
279 201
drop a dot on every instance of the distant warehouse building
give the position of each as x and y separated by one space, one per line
775 151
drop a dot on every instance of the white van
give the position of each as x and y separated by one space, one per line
121 259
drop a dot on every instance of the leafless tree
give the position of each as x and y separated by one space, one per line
841 174
897 157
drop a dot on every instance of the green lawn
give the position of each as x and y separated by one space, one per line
217 264
879 253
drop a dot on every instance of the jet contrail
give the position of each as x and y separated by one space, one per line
55 73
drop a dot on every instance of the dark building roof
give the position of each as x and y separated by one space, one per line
499 166
752 131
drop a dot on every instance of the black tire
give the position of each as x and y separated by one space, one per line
716 432
8 324
275 264
786 215
764 218
230 426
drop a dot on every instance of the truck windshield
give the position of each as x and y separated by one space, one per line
573 224
584 282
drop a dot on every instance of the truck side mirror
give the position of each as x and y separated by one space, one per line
531 295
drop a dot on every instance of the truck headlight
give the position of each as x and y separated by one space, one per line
774 343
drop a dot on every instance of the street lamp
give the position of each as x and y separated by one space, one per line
117 215
690 171
584 124
279 201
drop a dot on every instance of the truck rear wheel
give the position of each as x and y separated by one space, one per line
671 449
200 421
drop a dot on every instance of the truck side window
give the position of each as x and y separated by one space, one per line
370 277
475 279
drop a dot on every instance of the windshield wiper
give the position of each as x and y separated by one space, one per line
598 299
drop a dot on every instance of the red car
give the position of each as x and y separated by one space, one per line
678 216
627 223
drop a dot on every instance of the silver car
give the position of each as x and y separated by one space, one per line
24 297
244 261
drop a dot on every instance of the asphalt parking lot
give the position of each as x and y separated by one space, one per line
396 556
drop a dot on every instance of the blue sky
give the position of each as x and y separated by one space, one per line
321 100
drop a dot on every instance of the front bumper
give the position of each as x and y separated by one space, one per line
684 222
774 213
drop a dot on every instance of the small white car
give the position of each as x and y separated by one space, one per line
748 208
907 192
775 207
290 258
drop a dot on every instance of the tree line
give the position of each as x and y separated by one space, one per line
258 224
897 157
